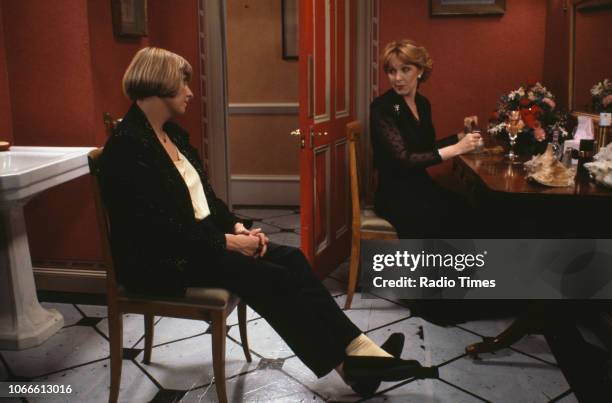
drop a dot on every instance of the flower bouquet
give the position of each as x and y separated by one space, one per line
538 112
601 94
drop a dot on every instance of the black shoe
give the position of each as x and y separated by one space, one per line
394 346
361 372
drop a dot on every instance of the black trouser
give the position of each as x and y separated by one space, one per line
282 288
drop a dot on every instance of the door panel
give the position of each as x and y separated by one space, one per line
326 71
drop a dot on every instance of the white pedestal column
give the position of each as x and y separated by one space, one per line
24 322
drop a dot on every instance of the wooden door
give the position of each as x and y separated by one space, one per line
326 73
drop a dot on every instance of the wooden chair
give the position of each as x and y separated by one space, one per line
366 224
209 304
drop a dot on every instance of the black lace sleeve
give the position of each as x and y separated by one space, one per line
391 143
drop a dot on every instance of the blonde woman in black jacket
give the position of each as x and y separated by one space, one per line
170 231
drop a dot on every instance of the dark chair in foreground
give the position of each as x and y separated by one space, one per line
366 224
209 304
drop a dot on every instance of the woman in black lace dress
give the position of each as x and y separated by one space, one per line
404 144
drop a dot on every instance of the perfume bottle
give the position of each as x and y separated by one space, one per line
556 147
603 132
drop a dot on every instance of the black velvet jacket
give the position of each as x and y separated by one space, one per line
155 237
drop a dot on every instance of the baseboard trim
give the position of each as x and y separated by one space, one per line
70 280
263 108
265 190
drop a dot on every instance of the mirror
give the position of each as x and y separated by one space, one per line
591 53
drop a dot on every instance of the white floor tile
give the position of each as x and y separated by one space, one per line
232 319
70 313
171 329
187 364
506 376
91 383
331 386
571 398
489 327
425 390
286 238
94 311
263 340
133 329
69 347
371 313
535 345
291 221
267 385
259 214
334 286
266 228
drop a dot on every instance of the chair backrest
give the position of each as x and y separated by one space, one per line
353 134
103 224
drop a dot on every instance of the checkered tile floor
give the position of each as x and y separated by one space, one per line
181 367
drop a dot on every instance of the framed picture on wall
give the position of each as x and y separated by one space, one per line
290 29
467 7
129 18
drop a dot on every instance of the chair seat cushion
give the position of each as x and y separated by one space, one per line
371 222
204 297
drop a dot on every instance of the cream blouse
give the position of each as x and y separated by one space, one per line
196 190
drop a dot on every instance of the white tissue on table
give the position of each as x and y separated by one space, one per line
601 167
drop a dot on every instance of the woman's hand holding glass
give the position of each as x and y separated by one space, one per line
469 143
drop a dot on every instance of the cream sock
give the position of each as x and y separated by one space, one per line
363 345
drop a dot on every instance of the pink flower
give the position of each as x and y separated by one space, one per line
549 102
607 101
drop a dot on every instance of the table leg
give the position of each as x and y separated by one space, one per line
24 322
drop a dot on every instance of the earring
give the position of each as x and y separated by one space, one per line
420 75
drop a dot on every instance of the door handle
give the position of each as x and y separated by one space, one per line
298 133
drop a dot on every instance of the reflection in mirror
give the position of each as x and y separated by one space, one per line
592 56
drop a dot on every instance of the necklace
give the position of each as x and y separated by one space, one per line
163 137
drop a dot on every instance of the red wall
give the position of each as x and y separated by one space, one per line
556 52
476 59
593 54
6 124
179 33
64 68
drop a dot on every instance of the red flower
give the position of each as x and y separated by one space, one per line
529 118
494 116
531 81
524 102
536 110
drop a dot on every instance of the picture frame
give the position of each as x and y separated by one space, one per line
445 8
129 18
290 30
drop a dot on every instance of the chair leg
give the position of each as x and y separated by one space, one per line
149 329
219 331
353 271
115 331
242 326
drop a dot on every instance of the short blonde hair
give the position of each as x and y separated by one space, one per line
410 53
155 72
